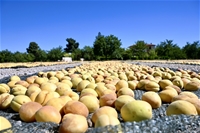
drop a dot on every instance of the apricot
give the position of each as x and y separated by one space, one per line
141 84
44 96
120 84
152 98
18 90
89 91
82 84
178 82
15 78
57 103
4 88
23 83
111 87
152 86
32 89
132 84
189 94
40 80
11 84
72 95
137 110
34 95
167 95
31 79
67 81
73 123
108 100
125 91
5 100
105 110
192 86
165 82
46 86
75 81
76 107
181 107
100 88
121 100
91 85
91 102
5 124
48 114
105 120
173 87
63 88
27 111
18 101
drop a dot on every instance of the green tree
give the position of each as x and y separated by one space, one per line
127 54
192 50
106 46
34 49
19 57
139 50
112 49
77 54
169 50
6 56
29 57
118 54
88 53
152 54
56 54
41 55
71 45
98 46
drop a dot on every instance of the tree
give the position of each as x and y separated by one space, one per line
139 50
71 46
6 56
34 50
99 44
56 54
168 50
77 54
88 53
112 48
152 54
118 54
127 54
41 55
105 46
192 50
19 57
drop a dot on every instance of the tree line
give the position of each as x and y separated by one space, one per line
105 48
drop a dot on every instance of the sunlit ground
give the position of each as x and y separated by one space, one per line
32 64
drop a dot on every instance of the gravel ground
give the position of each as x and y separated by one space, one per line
160 123
25 72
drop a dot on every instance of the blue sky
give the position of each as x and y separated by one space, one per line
49 23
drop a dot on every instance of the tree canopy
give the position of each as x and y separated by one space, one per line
71 45
33 48
139 50
55 54
168 50
192 50
106 46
